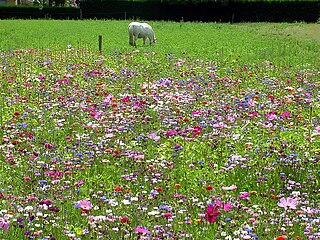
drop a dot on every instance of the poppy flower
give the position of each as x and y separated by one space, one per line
209 187
281 238
118 189
124 219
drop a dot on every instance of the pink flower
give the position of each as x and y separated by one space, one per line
271 116
154 136
142 230
85 205
4 223
244 195
251 102
232 187
212 212
288 203
225 206
81 182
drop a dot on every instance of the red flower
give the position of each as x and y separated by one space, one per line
273 196
209 187
281 238
118 189
125 219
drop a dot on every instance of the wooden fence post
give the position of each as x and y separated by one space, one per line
100 44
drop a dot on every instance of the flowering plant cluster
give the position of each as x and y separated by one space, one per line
146 145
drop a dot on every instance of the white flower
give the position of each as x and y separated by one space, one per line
153 213
126 202
134 199
28 209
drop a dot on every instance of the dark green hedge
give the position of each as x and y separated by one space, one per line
33 12
207 11
307 11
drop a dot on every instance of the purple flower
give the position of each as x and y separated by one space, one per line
4 223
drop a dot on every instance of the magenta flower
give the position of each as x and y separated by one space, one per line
285 115
288 203
224 206
142 230
167 215
81 182
243 195
171 133
227 206
212 212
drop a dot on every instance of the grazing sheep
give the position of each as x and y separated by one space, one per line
140 30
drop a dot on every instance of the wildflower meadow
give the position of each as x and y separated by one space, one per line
183 140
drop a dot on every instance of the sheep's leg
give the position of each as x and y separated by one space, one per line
135 40
130 39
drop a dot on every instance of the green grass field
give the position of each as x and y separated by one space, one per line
282 43
212 133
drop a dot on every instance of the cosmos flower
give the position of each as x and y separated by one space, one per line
244 195
212 212
167 215
224 206
230 188
142 230
288 203
85 205
4 222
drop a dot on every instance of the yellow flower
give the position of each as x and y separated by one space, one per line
78 231
253 192
197 221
